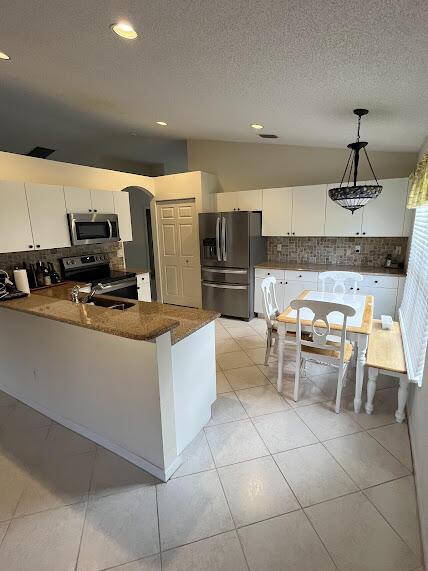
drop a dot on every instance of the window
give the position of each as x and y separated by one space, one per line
414 308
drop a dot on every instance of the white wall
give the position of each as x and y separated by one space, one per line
418 425
32 169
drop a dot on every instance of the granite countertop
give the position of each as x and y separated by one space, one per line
308 266
143 322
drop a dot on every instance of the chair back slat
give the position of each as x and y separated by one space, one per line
340 281
270 304
320 325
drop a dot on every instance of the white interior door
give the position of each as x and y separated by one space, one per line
179 253
15 228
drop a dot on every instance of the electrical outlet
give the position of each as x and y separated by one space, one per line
358 249
279 247
397 250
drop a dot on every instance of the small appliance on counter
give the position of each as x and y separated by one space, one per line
8 289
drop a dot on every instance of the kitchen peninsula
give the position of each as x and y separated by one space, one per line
139 382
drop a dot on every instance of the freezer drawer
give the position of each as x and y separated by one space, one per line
226 275
227 299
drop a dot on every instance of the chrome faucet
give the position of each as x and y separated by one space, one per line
76 291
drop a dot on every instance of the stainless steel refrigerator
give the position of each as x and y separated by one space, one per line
231 243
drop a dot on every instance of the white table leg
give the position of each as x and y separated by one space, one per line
362 342
371 389
402 399
281 343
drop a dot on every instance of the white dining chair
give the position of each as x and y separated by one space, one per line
319 345
340 282
271 312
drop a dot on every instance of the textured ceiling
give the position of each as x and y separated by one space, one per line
210 68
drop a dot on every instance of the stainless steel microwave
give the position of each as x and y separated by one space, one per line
93 228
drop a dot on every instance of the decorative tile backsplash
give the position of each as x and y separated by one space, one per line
9 261
336 250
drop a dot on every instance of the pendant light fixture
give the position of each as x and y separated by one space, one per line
350 194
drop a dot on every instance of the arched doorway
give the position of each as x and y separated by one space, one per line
139 253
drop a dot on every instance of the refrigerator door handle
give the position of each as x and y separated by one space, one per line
223 238
223 286
217 237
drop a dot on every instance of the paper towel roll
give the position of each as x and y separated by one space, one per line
21 280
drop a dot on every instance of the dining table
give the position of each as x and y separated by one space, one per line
358 328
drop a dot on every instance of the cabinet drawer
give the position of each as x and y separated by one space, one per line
265 272
292 275
380 281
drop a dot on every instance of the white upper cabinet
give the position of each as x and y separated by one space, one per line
15 227
250 200
77 200
385 215
277 211
121 208
309 210
227 201
340 221
102 201
48 215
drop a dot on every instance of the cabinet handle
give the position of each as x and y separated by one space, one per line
37 245
364 233
358 289
90 210
286 283
31 246
138 287
351 288
376 281
268 273
357 233
293 233
95 210
288 233
300 276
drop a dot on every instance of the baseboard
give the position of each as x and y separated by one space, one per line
161 473
424 538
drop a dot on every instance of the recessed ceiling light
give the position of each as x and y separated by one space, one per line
124 30
256 126
4 56
162 123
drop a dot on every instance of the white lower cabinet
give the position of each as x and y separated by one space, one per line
386 290
143 287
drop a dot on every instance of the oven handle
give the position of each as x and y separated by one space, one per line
221 286
110 227
117 285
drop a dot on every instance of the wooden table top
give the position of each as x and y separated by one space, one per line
386 348
360 323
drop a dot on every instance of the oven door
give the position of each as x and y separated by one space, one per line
125 288
93 228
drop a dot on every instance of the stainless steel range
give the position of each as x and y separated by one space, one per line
95 270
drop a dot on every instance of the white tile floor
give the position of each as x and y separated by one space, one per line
269 484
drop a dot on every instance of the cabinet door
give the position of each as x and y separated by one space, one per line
294 288
385 300
77 200
15 228
122 209
102 201
309 210
277 211
250 200
384 216
227 201
340 221
48 215
143 287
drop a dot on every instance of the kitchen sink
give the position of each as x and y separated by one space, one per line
111 303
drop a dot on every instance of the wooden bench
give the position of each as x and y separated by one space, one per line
385 354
